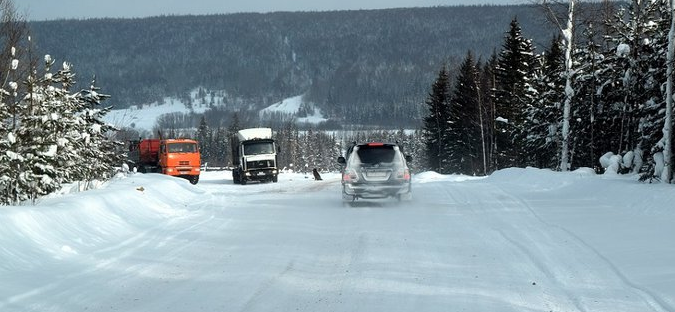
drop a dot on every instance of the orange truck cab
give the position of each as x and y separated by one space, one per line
180 157
175 157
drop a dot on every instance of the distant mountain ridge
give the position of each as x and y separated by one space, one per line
368 66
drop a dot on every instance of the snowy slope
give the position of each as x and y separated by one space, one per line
145 117
290 107
519 240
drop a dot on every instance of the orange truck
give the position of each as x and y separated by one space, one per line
175 157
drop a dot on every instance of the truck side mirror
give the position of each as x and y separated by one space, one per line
408 158
341 160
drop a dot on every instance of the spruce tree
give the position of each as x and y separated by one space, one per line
100 150
41 126
585 106
436 124
464 122
203 136
221 149
544 114
8 100
512 95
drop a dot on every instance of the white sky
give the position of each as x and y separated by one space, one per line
49 9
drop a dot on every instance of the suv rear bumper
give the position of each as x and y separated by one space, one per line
353 191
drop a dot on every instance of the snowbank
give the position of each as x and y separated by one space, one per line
79 223
432 176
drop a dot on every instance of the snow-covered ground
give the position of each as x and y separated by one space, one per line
519 240
291 106
145 117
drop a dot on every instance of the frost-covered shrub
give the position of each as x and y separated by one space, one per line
611 163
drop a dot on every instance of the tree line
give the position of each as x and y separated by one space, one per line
601 98
301 150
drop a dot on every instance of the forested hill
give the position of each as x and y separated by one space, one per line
367 64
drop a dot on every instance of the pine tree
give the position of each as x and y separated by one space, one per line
40 128
203 137
512 95
587 106
464 134
221 149
544 114
436 123
100 151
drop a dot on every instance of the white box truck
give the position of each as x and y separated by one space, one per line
254 155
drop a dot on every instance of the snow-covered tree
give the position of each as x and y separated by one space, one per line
513 93
633 73
40 128
100 150
53 137
545 113
9 158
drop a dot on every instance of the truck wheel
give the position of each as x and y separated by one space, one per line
243 180
235 177
275 179
194 179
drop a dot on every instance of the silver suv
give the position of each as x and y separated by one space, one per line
375 170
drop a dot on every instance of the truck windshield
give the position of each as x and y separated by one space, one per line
182 148
258 148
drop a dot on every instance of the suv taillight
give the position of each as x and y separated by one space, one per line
403 174
350 176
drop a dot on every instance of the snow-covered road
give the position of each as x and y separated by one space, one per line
520 240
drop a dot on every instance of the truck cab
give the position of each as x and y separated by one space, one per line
180 157
255 156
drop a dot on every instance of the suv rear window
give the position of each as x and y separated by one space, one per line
376 154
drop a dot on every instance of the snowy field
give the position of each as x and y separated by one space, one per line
519 240
145 118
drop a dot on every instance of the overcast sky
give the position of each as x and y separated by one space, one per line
55 9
